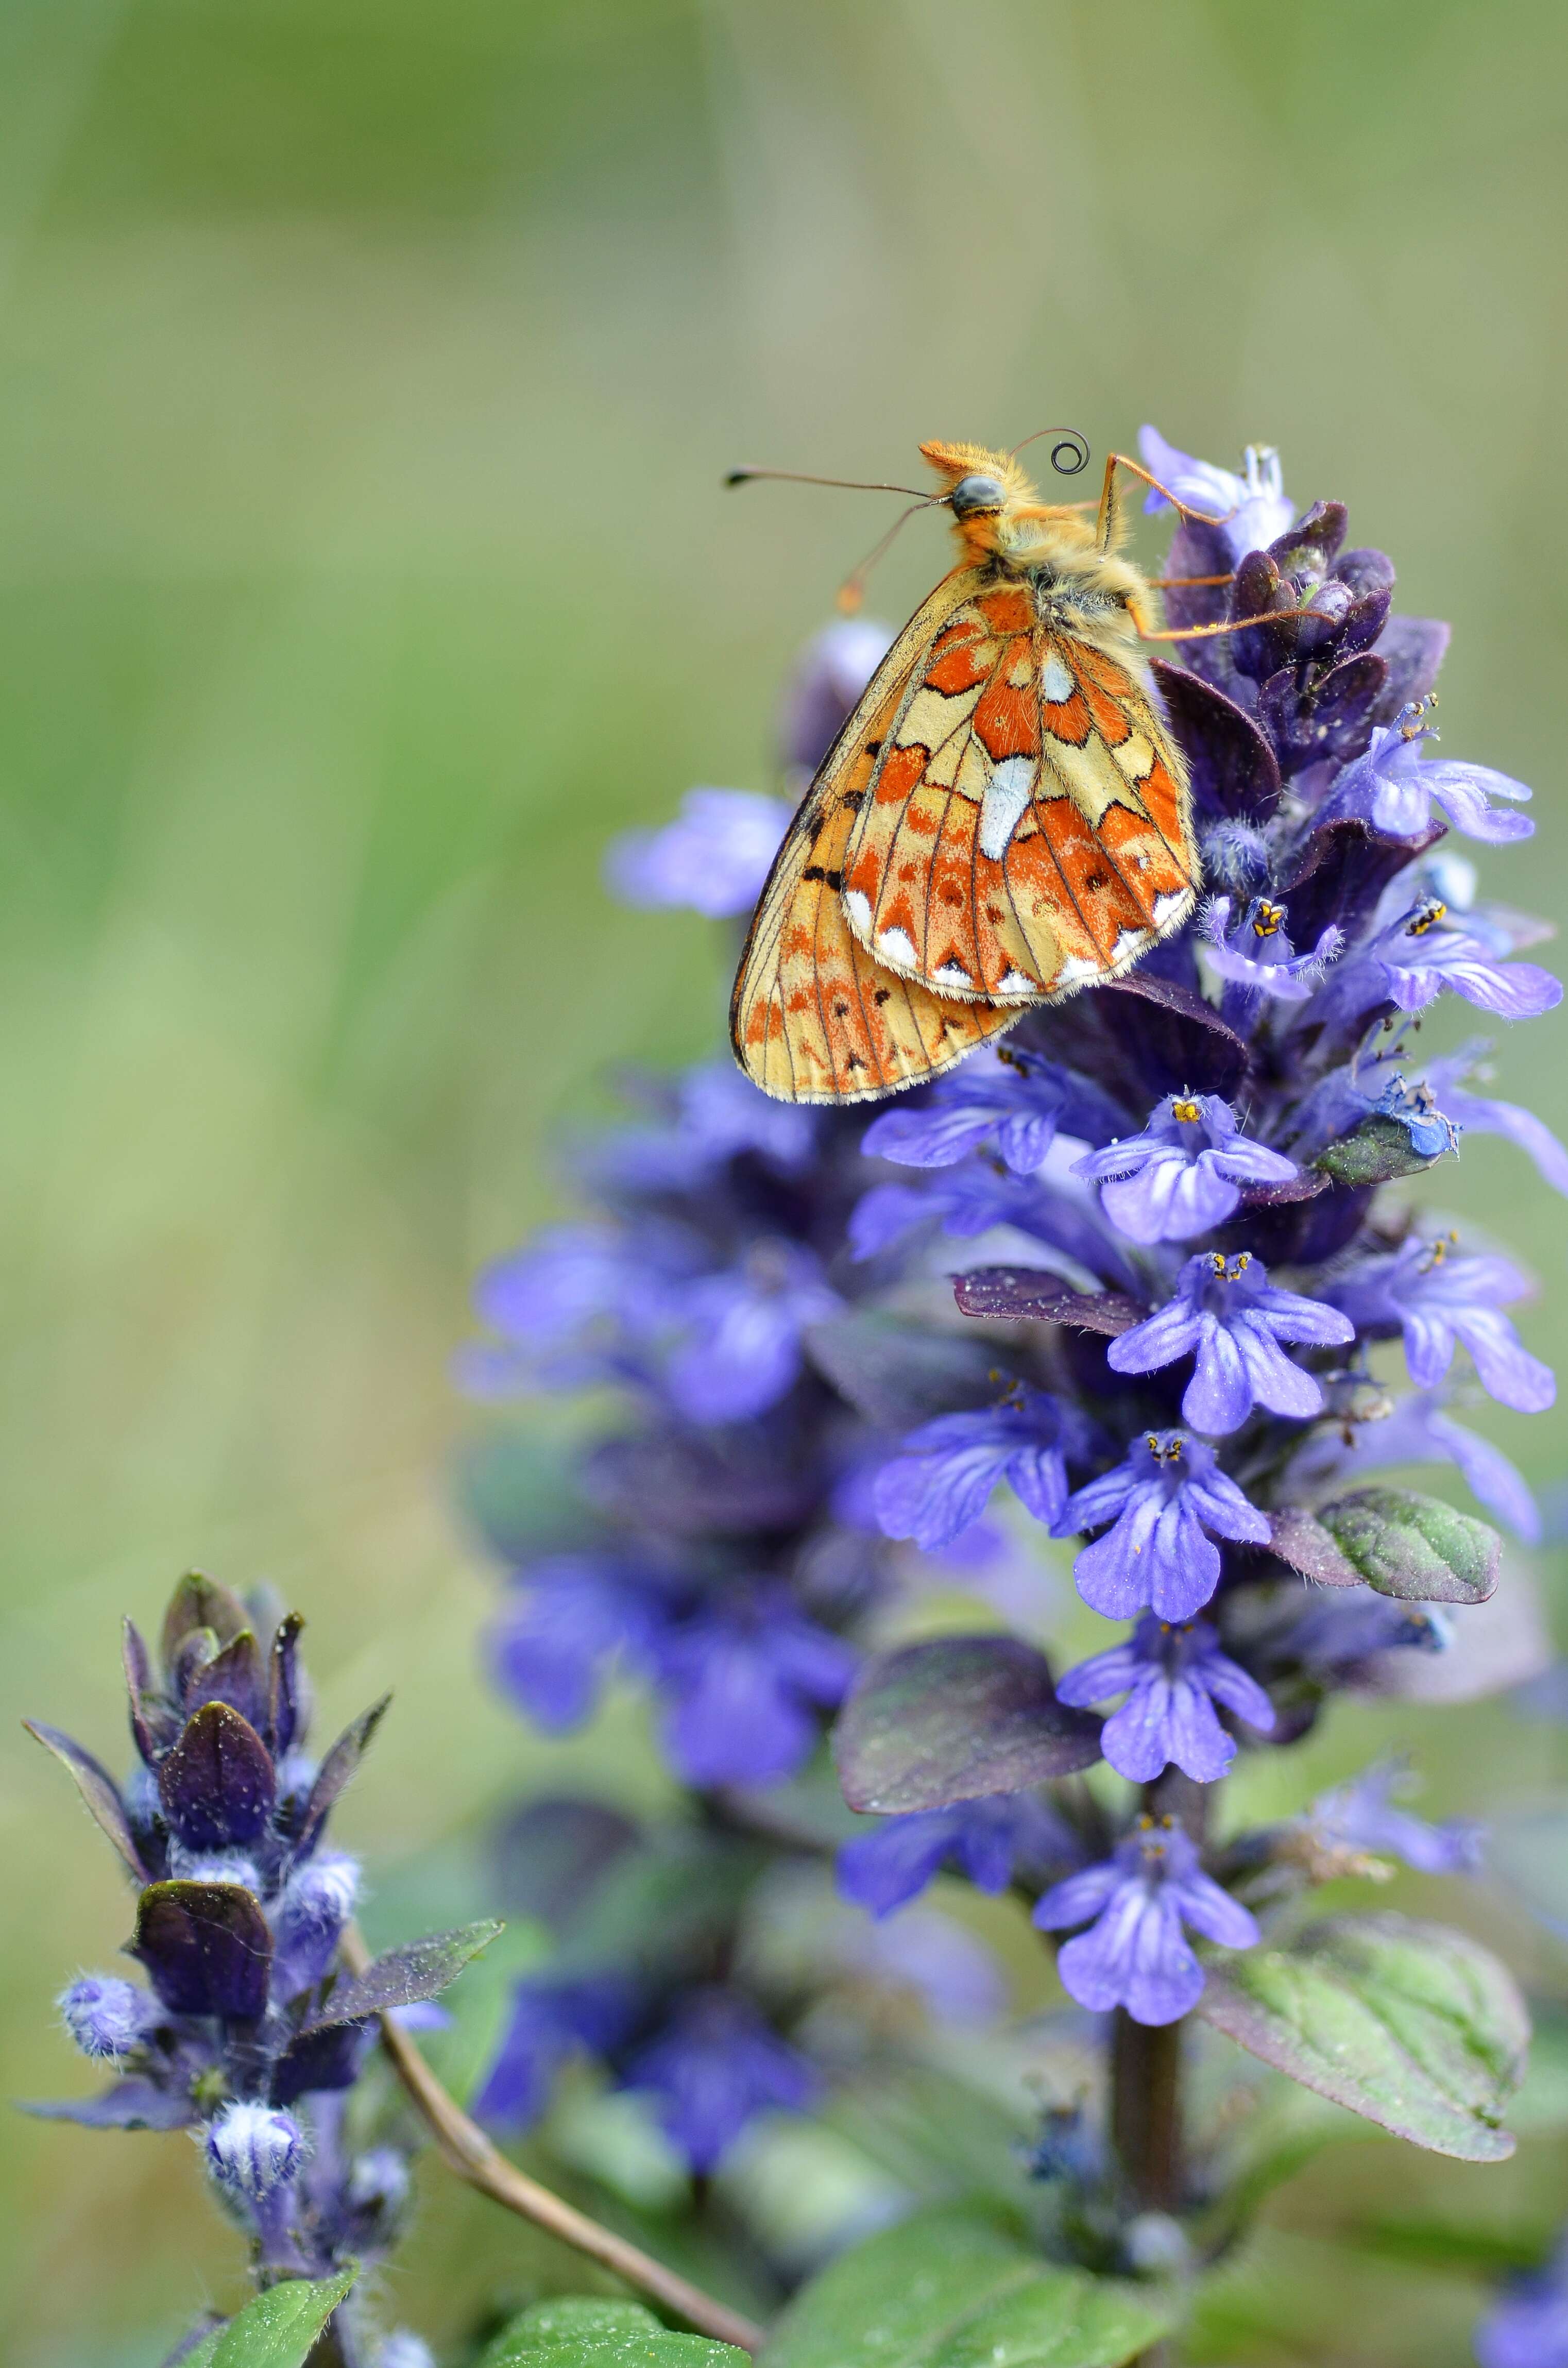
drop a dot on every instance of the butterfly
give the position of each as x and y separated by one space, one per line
1003 820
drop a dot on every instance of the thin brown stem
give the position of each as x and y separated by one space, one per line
466 2150
1145 2109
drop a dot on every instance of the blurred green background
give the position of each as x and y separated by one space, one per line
368 369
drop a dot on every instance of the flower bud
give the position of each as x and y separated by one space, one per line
378 2182
214 1866
252 2151
314 1910
405 2350
104 2016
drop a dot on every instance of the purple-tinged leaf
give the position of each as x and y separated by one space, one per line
329 2058
341 1764
1414 1547
218 1784
206 1948
1189 1036
131 2105
696 1482
1416 2028
1299 1539
284 1723
1339 874
1031 1294
955 1719
1332 715
1235 773
99 1790
237 1676
405 1976
898 1374
153 1724
1303 1186
200 1602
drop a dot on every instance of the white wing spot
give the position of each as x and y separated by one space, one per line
1014 982
858 905
1075 971
1130 942
1055 682
951 974
1167 907
1002 809
898 947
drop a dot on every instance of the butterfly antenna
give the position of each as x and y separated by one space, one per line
852 591
1069 443
794 477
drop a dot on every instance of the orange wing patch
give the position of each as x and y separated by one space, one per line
815 1018
1027 831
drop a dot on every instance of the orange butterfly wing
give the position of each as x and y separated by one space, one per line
815 1017
1028 830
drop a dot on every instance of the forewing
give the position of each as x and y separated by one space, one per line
815 1017
1027 831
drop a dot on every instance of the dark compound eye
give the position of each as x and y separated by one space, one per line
972 493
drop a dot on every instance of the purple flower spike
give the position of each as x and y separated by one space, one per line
885 1869
1183 1174
1362 1815
743 1684
1391 789
715 857
1173 1678
943 1481
1437 1300
744 1329
1161 1502
1227 1314
1255 954
713 2069
1135 1953
1529 2329
1254 507
1009 1102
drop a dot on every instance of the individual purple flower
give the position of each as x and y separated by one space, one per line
1183 1174
970 1198
1161 1501
553 2017
987 1839
1342 1628
1009 1102
1255 954
574 1297
714 856
713 2069
1419 1431
1171 1676
1528 2328
1436 1298
1227 1314
1253 507
1416 956
1135 1953
746 1681
308 1921
830 675
570 1615
1394 792
744 1328
943 1480
1363 1815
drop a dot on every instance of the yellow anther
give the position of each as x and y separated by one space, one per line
1189 1113
1265 921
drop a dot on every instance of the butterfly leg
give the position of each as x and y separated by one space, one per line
1105 523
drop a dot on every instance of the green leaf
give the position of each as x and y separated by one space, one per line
1298 1538
99 1791
278 2328
952 2288
404 1976
1414 1547
582 2333
1380 1150
1416 2028
954 1719
898 1373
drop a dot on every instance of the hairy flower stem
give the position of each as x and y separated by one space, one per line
466 2150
